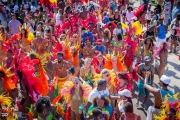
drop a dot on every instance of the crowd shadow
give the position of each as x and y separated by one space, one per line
176 89
171 73
174 64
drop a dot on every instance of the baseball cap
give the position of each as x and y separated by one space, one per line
125 92
101 81
99 41
165 79
147 59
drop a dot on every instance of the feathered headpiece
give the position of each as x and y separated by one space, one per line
90 19
109 62
137 28
87 34
43 60
7 76
169 102
68 87
140 10
53 3
29 36
103 3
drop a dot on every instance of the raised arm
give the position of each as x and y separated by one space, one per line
148 87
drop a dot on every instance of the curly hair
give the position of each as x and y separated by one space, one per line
106 101
2 74
43 100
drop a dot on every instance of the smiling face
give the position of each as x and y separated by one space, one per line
100 103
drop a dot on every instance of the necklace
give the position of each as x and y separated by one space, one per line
100 93
61 68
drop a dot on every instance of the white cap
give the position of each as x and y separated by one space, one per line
165 79
125 92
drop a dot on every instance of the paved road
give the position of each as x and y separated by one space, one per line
172 71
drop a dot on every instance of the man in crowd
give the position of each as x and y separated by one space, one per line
159 94
141 72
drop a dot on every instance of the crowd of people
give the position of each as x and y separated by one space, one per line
81 59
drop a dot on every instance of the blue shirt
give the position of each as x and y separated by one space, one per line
106 20
175 11
100 49
162 32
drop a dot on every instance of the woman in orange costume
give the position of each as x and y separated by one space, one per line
6 78
114 63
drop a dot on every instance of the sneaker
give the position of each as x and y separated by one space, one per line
145 107
137 103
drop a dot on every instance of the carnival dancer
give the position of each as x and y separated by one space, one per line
162 54
129 58
160 94
31 86
76 95
39 44
148 48
7 110
106 39
88 51
25 37
6 78
114 62
98 63
60 71
87 71
9 63
123 81
141 72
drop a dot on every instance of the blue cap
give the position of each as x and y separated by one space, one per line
101 81
147 59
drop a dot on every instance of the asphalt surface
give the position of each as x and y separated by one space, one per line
172 70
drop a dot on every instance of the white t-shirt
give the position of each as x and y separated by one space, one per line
58 19
129 15
94 93
33 8
116 31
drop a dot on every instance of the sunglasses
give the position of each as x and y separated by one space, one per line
107 75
